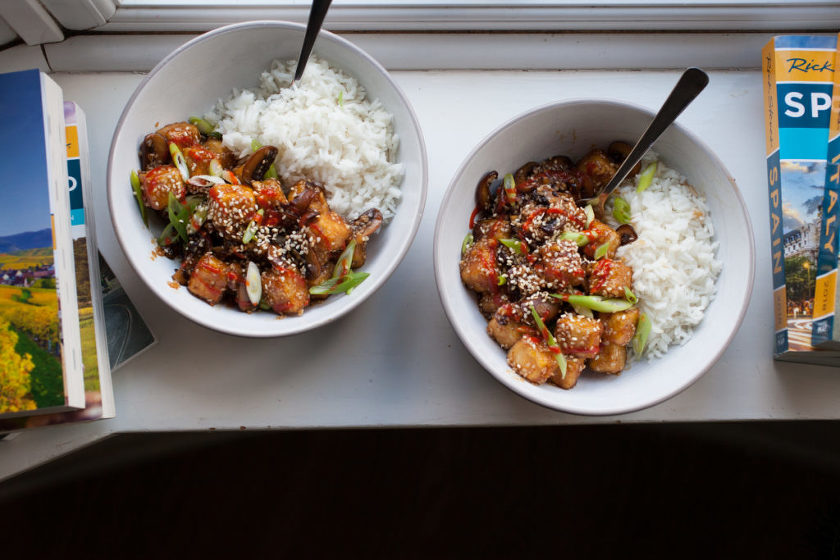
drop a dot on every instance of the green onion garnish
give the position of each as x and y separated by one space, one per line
510 188
551 341
630 296
467 243
602 250
255 145
585 311
341 98
579 238
642 332
514 245
337 285
621 210
502 280
202 125
646 177
179 215
138 194
251 230
342 266
595 303
179 161
590 214
165 238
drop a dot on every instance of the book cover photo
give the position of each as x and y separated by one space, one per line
40 361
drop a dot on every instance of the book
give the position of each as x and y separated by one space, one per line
798 73
40 343
826 331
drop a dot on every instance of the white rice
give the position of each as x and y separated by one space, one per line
326 131
674 264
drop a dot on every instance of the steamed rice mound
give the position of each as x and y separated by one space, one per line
326 131
675 268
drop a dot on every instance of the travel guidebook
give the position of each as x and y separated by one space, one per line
40 346
799 80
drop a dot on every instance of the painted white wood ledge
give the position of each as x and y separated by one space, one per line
396 361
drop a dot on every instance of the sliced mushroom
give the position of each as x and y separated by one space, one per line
257 165
522 174
626 233
482 191
154 151
363 227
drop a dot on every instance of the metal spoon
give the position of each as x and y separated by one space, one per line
688 87
313 26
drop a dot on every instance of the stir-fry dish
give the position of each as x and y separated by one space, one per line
240 234
543 263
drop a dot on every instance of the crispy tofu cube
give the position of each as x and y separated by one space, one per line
578 335
504 329
269 194
159 182
608 278
478 267
209 279
181 133
598 166
611 359
532 360
284 290
560 265
574 367
231 207
198 159
620 327
330 231
601 233
492 228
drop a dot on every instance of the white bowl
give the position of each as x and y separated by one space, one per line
573 128
188 82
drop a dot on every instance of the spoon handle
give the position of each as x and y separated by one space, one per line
316 18
688 87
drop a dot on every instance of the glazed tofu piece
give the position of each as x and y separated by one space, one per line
237 285
181 133
269 194
159 182
198 159
578 335
598 165
284 290
560 265
489 303
620 327
225 155
601 233
492 228
608 278
231 207
505 328
478 267
532 360
209 278
610 359
550 214
574 367
329 230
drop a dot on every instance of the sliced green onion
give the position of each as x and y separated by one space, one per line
510 188
179 161
621 210
579 238
590 214
467 243
138 194
165 238
595 303
253 283
178 216
338 285
514 245
646 177
271 173
642 332
202 125
585 311
630 296
255 145
602 250
551 341
341 98
342 266
251 230
215 179
502 280
197 220
216 168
